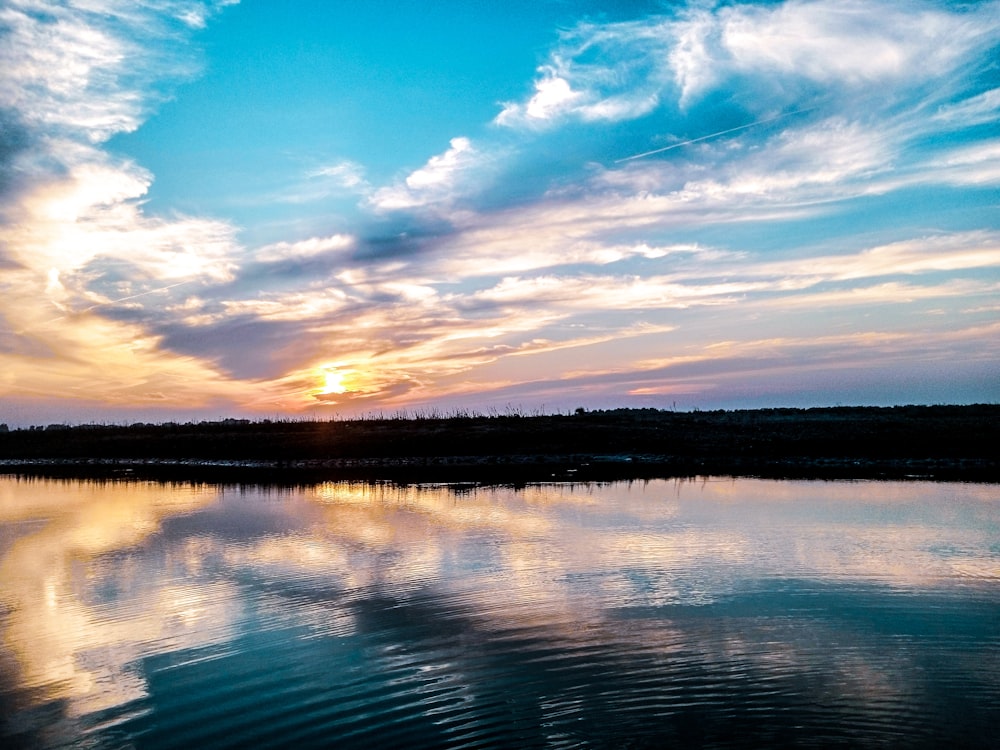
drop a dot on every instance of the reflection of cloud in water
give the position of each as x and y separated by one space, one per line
75 642
741 580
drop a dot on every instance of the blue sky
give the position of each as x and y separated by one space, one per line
315 208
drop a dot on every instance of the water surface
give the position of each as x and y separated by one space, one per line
719 612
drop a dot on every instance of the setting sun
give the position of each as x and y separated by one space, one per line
333 382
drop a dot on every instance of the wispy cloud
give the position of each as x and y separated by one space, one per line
91 69
624 70
346 174
597 73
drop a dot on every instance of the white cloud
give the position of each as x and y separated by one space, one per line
976 110
625 81
298 306
196 14
846 42
827 160
436 182
978 164
346 174
310 248
73 69
588 292
623 70
691 56
553 97
62 73
339 180
950 252
555 234
91 216
440 170
76 74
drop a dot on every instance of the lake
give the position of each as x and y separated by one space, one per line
709 612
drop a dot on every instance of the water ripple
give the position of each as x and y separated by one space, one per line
725 614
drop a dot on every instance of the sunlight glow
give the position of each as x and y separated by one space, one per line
333 382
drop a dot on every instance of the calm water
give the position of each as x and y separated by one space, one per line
702 613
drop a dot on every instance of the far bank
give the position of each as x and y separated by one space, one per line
938 442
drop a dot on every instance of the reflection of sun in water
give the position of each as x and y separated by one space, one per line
333 382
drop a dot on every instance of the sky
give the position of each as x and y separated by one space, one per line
314 208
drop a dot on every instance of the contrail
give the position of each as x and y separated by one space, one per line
134 296
714 135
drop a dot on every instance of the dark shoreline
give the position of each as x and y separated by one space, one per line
941 443
491 470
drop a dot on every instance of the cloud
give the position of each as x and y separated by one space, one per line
88 227
437 182
342 178
845 46
802 166
730 279
978 164
553 97
596 73
60 72
347 174
440 170
309 248
849 43
79 246
403 339
625 70
89 69
551 234
948 252
975 110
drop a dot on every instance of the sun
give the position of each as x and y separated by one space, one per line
333 382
